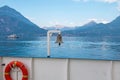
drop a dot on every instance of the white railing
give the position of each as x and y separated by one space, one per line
49 34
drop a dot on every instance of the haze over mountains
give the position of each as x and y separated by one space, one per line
59 27
94 29
12 22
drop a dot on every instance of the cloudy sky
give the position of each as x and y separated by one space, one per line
65 12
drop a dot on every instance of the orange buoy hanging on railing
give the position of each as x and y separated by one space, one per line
14 64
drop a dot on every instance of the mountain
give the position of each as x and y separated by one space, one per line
59 27
86 26
13 22
116 22
91 23
109 29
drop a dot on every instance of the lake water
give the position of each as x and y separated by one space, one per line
105 48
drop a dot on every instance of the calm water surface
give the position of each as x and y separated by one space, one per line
105 48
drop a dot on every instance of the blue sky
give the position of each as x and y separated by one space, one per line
65 12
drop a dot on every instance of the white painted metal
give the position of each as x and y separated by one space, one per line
89 70
50 69
111 70
49 34
116 70
1 68
66 69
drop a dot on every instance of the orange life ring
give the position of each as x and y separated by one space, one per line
14 64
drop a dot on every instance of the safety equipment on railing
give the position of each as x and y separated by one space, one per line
14 64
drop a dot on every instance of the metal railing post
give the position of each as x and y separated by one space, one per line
49 34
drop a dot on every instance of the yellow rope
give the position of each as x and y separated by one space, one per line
25 76
7 73
15 62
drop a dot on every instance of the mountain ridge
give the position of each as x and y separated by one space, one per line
109 29
13 22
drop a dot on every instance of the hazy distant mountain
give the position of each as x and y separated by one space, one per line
94 29
59 27
87 25
12 22
91 23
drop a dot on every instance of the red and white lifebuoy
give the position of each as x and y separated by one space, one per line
14 64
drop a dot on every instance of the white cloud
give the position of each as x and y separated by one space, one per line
108 1
118 7
76 0
105 1
93 19
80 0
98 20
112 1
54 22
104 21
35 21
